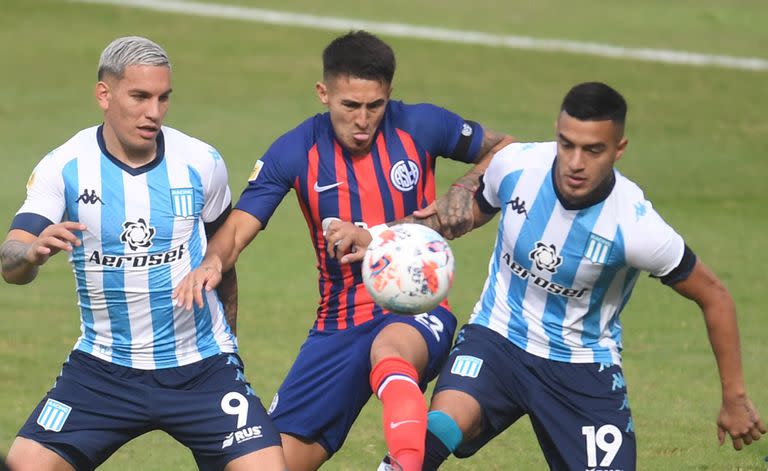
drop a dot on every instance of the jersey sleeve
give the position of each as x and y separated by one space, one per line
493 176
272 177
443 132
652 245
45 202
217 195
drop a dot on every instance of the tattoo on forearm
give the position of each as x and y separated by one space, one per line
13 254
490 139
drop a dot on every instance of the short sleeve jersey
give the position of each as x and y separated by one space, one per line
145 232
558 278
396 178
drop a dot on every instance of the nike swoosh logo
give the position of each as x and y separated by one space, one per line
397 424
323 188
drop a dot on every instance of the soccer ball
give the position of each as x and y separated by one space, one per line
408 268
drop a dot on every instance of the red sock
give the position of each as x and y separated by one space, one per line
395 382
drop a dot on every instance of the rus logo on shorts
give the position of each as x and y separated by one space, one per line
465 365
53 415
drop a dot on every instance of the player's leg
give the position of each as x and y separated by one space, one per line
405 355
94 408
475 397
322 394
210 407
268 459
28 455
302 454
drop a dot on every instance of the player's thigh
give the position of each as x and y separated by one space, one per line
479 378
94 408
266 459
303 455
28 455
326 388
212 409
436 329
582 418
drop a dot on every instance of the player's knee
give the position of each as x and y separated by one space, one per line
461 409
442 426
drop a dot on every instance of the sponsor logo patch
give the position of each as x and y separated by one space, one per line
242 435
256 169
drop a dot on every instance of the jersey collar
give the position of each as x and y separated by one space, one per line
131 170
598 196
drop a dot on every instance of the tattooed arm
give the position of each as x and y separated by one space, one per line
452 214
22 252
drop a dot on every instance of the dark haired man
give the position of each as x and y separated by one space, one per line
545 338
368 160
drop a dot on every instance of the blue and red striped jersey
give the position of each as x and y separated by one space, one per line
396 178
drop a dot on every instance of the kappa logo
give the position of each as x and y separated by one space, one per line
89 198
137 234
466 130
404 175
545 257
242 435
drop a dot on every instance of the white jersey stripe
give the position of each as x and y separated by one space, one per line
566 273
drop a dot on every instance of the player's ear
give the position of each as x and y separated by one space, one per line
621 148
102 95
322 92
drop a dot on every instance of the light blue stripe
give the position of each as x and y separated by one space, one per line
112 218
572 251
615 325
160 286
206 343
532 230
506 187
71 192
614 266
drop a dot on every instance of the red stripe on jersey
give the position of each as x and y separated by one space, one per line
386 165
410 150
429 190
312 216
372 209
345 214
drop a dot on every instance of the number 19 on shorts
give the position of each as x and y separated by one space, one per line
607 438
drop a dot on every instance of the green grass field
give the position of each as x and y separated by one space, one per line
698 145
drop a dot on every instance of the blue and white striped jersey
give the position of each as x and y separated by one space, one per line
559 278
145 232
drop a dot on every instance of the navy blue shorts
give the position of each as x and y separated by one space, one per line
328 384
579 411
95 407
